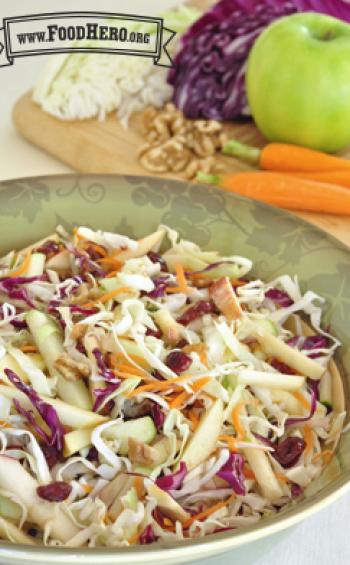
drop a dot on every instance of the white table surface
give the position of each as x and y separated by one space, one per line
322 539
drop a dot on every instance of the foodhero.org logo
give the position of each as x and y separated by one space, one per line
96 32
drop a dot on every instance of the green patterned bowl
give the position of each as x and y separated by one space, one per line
277 242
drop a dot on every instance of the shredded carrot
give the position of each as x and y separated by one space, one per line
138 484
168 523
116 358
199 348
29 349
236 421
206 513
194 419
179 399
22 268
4 424
309 438
200 383
98 248
159 385
87 488
111 274
181 278
326 455
301 398
248 473
231 442
127 368
106 297
237 282
281 478
134 539
122 375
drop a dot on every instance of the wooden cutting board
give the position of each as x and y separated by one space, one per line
92 146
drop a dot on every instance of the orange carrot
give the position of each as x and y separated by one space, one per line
138 484
200 383
301 398
22 268
195 421
179 399
116 358
236 421
284 157
342 178
87 488
326 455
158 385
29 349
231 442
206 513
281 478
309 439
105 297
285 191
248 473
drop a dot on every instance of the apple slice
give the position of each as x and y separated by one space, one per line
167 504
61 263
204 439
171 329
225 299
261 467
10 532
143 246
69 415
292 357
270 380
76 440
12 474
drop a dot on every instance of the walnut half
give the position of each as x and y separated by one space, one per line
70 369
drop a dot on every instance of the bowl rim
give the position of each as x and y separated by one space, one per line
215 543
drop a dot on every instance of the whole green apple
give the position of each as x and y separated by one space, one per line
298 81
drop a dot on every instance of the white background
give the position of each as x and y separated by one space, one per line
324 538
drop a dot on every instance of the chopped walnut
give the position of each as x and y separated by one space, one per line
79 330
141 453
70 369
84 294
178 145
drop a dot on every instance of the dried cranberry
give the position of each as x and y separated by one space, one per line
154 333
281 367
148 535
51 455
92 454
182 343
157 258
288 451
54 492
178 361
196 311
296 490
49 247
157 375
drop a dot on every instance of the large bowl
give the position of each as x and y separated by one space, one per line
277 243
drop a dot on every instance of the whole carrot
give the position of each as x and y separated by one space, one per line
284 191
333 177
282 157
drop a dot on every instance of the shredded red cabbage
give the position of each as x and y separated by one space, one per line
174 480
281 367
157 258
19 324
309 344
148 535
313 387
158 415
232 472
104 371
154 333
264 440
49 247
101 394
209 71
46 411
8 283
19 294
279 297
160 285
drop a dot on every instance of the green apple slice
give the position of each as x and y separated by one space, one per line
167 504
204 439
261 467
40 511
144 246
141 429
292 357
